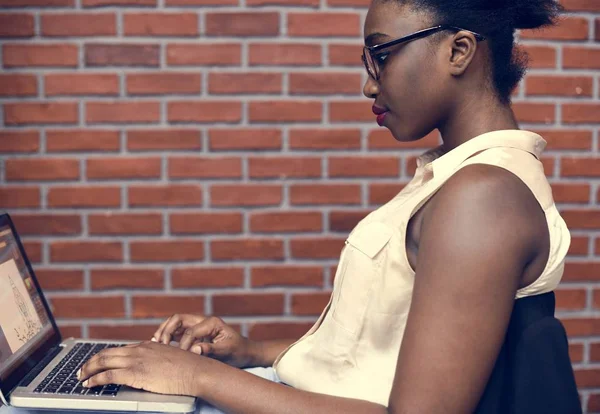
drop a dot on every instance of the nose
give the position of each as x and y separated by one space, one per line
371 88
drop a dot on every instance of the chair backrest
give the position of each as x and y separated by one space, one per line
533 372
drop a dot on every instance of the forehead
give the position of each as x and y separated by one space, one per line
388 19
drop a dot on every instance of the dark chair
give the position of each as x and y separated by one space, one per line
533 372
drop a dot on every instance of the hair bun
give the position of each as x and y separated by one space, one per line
532 14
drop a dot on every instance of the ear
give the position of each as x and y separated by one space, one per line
462 50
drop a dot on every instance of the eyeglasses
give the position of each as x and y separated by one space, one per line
374 59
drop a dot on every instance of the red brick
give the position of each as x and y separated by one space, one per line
581 271
84 197
309 304
281 54
163 83
202 277
318 194
70 331
50 169
79 24
160 24
70 140
124 332
33 250
103 3
570 299
242 24
60 279
159 140
344 220
69 84
102 279
558 85
244 83
345 54
88 307
580 5
204 167
248 304
597 298
222 54
587 378
381 193
580 167
582 113
571 193
19 197
246 249
47 224
292 276
348 3
40 113
202 2
46 55
324 139
166 251
569 28
325 83
122 112
316 248
582 219
595 352
121 167
245 195
534 112
122 54
567 139
577 327
16 25
311 3
351 111
285 111
579 246
19 141
383 139
204 111
580 58
124 224
594 403
165 195
364 167
281 222
244 139
205 223
85 252
540 57
324 24
576 352
265 331
18 84
37 3
165 305
284 167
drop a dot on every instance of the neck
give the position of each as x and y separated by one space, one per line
474 117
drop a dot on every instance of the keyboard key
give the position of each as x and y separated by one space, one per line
80 391
111 393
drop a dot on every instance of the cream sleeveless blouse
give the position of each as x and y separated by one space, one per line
352 349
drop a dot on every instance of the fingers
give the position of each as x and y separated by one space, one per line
174 327
110 359
113 376
202 348
207 329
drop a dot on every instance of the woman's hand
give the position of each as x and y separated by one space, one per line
149 366
208 336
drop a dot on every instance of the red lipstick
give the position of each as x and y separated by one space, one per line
381 113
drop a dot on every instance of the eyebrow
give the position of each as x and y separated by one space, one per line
371 39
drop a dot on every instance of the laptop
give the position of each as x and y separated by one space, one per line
37 367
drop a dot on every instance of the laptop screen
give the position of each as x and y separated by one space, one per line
25 324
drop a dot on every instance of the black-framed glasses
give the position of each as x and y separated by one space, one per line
373 58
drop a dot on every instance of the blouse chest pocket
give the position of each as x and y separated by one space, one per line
358 273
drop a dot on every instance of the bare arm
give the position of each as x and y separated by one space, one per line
264 353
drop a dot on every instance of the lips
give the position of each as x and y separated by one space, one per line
381 113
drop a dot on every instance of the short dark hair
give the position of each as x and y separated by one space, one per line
497 20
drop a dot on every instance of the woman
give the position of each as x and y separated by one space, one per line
425 285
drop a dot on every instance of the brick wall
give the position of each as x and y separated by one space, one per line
210 156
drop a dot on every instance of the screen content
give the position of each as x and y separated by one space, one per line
24 322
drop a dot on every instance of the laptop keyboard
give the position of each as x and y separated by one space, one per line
63 378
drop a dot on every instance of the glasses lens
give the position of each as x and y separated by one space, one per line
372 69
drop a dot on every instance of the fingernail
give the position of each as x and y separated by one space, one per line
154 339
197 350
79 374
85 383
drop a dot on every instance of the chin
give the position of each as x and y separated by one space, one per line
401 135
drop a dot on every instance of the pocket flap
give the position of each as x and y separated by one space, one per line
370 238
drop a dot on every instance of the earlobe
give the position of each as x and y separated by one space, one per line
463 48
